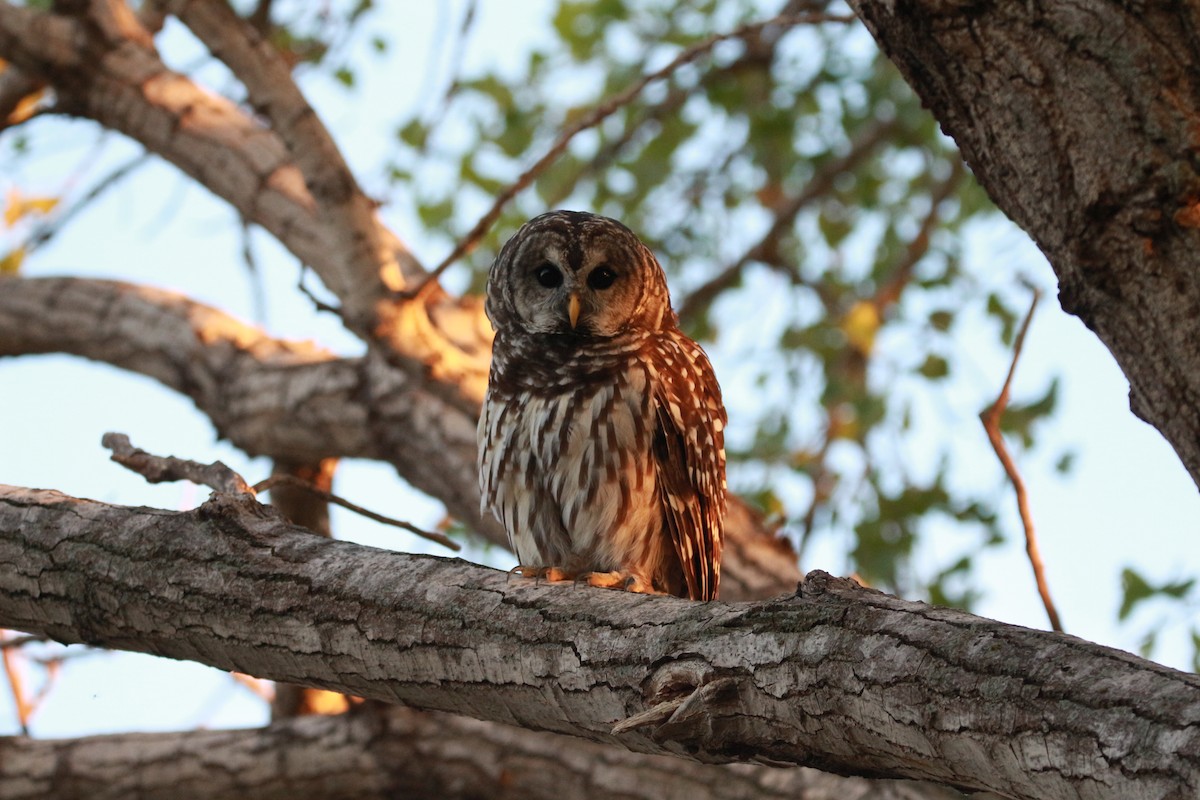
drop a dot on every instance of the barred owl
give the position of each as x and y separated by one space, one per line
601 446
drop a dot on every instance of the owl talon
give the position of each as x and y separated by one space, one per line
618 580
548 574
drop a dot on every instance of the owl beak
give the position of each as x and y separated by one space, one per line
573 309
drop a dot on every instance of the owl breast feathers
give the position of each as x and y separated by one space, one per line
601 446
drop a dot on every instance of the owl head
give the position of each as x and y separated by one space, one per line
574 274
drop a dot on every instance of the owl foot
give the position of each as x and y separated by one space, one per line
618 580
549 574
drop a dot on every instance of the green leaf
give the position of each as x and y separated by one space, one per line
436 215
1179 589
1018 418
941 320
934 368
414 134
1135 589
1008 320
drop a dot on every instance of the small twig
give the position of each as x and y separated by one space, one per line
263 690
991 424
454 62
260 18
257 287
594 118
902 273
766 249
23 705
48 230
161 469
318 303
820 479
220 478
21 641
329 497
655 715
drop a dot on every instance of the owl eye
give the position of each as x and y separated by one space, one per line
602 277
548 276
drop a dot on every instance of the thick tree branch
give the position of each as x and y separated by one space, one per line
366 269
1079 118
296 401
269 397
111 73
840 678
391 752
126 87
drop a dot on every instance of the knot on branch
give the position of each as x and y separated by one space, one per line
683 697
819 582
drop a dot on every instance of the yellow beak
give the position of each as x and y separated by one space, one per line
573 309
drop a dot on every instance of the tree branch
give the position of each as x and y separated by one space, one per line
17 91
366 269
991 417
269 397
159 469
297 401
836 678
389 752
767 248
129 89
126 87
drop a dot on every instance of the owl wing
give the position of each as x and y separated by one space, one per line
689 461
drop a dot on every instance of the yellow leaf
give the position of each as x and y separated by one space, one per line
860 325
12 207
40 205
19 207
11 263
25 107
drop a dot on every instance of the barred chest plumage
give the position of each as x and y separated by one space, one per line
570 471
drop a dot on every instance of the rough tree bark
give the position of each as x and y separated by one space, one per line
835 677
398 753
1079 117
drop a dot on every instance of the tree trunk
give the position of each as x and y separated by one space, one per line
1079 119
836 677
